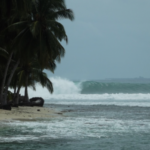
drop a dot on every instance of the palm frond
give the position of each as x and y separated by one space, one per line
58 30
63 14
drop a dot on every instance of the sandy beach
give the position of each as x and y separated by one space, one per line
27 113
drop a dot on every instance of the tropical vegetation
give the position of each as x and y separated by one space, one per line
30 42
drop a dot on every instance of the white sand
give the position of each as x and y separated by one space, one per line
27 113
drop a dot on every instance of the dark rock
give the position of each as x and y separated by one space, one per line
37 101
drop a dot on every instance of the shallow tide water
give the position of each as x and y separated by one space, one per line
92 127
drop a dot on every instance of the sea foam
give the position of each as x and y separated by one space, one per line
69 92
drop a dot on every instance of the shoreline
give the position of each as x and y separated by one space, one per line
24 113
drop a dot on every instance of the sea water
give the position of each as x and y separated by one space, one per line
97 115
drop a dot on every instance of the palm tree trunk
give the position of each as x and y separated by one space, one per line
14 96
26 90
8 82
15 90
4 78
17 96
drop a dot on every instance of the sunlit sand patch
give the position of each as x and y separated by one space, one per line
27 113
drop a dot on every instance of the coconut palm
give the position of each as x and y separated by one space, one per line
6 39
29 75
18 81
40 32
36 32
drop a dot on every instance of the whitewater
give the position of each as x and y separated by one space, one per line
96 115
94 92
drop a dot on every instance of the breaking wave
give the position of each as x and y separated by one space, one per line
92 90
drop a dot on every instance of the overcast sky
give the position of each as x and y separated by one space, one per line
107 39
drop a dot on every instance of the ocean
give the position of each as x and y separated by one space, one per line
97 115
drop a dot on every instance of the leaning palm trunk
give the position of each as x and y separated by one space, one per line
8 82
26 90
17 96
15 90
4 78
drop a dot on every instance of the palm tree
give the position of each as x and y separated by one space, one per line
36 32
29 75
6 39
40 32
